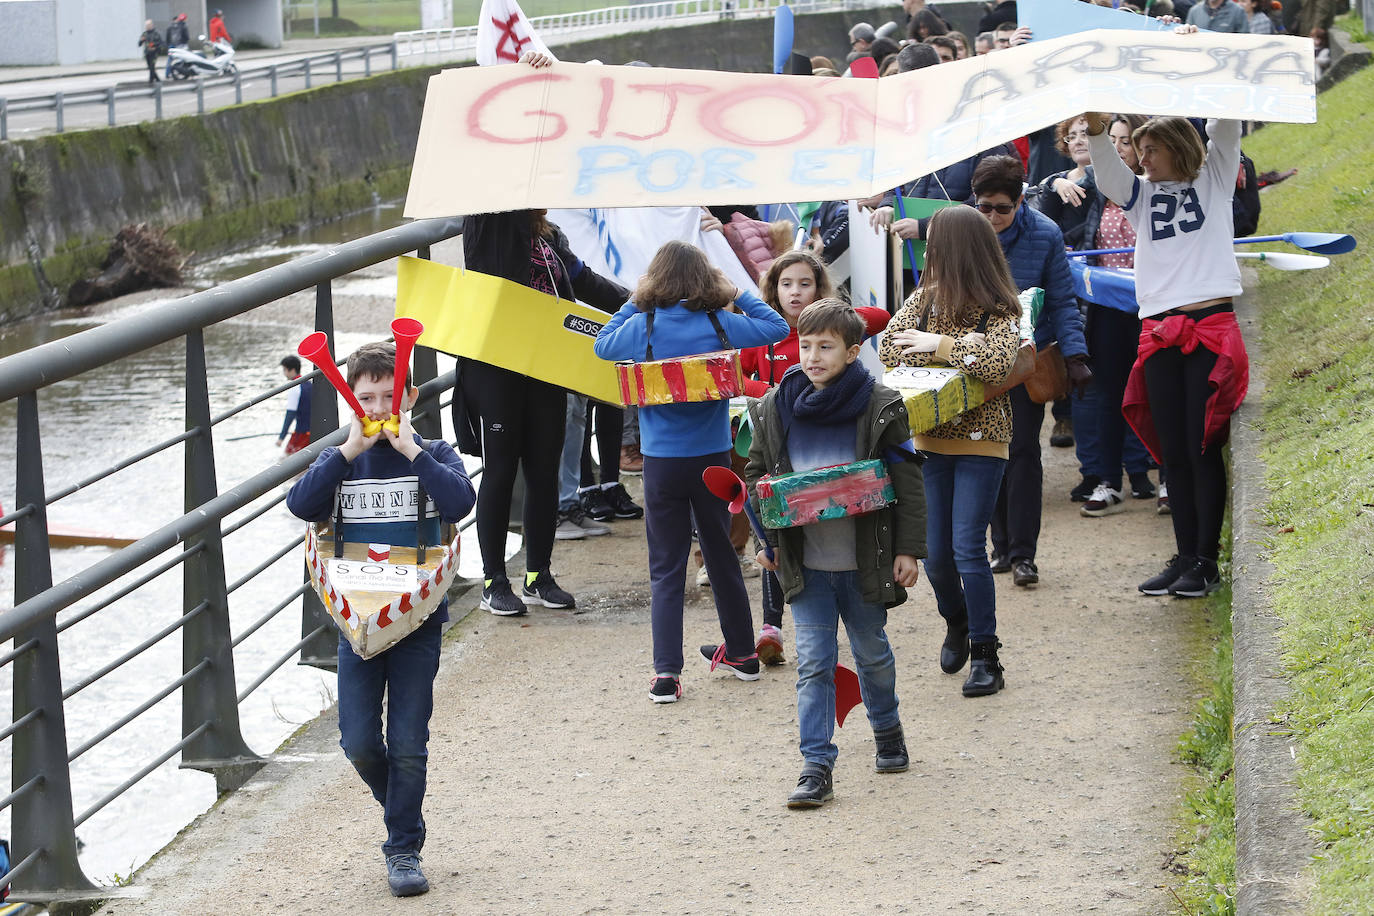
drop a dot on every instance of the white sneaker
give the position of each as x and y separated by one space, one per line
703 580
1104 501
749 568
1162 500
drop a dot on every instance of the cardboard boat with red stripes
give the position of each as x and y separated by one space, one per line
377 594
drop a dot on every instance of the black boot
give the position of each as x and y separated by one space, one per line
814 788
954 650
985 674
891 754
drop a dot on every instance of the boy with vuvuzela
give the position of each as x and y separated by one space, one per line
359 485
829 413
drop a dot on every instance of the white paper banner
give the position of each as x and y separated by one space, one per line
576 135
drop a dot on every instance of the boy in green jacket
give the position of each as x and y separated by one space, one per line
828 410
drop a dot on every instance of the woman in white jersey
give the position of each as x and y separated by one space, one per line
1191 371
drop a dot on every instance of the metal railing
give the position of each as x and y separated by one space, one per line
44 822
248 83
459 42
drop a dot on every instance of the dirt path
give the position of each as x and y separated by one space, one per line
557 787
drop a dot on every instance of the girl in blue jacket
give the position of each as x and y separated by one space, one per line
681 301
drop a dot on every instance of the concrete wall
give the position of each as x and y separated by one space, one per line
259 21
28 32
45 32
101 30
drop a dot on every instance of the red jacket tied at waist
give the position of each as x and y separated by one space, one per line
1229 378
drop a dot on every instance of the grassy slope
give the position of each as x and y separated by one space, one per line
1318 365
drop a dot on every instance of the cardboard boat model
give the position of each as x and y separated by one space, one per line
377 594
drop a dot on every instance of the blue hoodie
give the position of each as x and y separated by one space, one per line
687 430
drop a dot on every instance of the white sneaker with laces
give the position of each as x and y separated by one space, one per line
1104 501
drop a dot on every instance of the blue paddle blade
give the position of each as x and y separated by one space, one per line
1322 242
782 37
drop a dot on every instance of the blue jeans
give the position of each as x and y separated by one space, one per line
961 492
570 467
393 766
827 598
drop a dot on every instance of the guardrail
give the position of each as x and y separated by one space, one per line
326 67
43 838
609 20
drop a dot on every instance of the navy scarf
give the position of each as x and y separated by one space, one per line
822 416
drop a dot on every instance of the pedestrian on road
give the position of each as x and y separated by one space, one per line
390 468
178 36
828 410
217 30
963 314
151 42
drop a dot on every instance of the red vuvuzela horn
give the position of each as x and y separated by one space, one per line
405 331
316 349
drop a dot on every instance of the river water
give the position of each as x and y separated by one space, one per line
91 421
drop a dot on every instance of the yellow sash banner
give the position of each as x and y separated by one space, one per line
486 318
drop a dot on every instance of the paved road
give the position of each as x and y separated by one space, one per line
557 787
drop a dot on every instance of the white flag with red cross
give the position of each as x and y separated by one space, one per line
504 33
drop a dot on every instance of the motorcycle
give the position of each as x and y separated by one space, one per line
187 63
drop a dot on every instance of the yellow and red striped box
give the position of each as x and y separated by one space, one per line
714 376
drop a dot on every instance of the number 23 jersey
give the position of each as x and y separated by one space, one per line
1184 229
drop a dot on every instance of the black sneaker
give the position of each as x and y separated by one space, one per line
746 669
1198 581
541 589
620 502
404 876
815 787
498 598
595 504
890 756
665 688
1159 584
1085 488
1141 486
999 563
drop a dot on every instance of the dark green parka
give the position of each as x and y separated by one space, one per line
880 536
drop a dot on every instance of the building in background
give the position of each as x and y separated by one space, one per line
69 32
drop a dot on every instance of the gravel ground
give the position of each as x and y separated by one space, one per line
557 787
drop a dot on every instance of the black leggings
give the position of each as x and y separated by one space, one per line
1178 391
521 426
610 429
